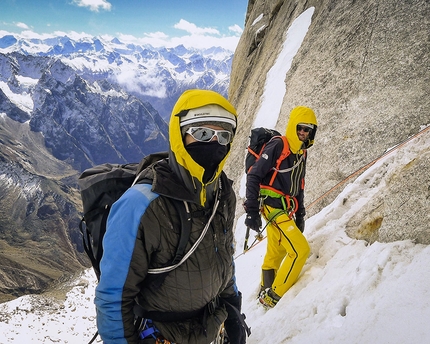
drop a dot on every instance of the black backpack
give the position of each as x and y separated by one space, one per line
257 141
100 187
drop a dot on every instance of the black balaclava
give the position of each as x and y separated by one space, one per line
208 155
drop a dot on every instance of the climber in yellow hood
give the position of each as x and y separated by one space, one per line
301 114
200 164
169 242
275 189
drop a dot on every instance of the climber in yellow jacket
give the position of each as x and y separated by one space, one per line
277 194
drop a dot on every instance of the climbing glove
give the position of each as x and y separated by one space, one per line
253 220
300 223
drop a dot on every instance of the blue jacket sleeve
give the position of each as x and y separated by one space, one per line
114 312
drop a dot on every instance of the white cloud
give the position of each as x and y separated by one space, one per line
31 34
143 82
203 42
72 34
236 29
94 5
197 37
157 35
22 25
194 29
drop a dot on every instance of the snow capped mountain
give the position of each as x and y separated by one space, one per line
133 67
98 100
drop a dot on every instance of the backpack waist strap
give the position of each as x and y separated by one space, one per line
175 316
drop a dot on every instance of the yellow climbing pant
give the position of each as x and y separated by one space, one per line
287 250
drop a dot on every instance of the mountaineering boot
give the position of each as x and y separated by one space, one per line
268 298
267 278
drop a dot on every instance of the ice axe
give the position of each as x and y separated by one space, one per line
258 237
245 246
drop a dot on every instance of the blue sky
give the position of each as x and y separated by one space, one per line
159 22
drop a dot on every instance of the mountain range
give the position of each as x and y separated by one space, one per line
90 88
66 105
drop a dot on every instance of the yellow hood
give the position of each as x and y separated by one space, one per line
188 168
300 114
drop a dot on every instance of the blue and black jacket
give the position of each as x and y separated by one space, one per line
142 233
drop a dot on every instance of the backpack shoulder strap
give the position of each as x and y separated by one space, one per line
285 151
185 217
284 154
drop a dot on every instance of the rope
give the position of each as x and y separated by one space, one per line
365 167
361 170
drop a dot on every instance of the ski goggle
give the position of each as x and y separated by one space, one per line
203 134
304 128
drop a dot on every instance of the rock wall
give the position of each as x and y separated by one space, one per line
364 68
40 211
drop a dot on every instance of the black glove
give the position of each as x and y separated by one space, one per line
300 223
253 220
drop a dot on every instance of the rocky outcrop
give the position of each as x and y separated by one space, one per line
39 214
363 67
88 124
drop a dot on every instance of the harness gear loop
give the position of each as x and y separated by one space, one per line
289 203
261 199
149 330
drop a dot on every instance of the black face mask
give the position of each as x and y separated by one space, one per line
208 155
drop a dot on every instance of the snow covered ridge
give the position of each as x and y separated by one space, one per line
64 45
98 55
145 71
27 184
52 319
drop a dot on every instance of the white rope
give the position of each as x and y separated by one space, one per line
192 249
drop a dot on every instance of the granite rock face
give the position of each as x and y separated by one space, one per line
363 66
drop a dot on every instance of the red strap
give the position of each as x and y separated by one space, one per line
255 154
285 152
288 198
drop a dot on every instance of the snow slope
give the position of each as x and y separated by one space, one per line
349 292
